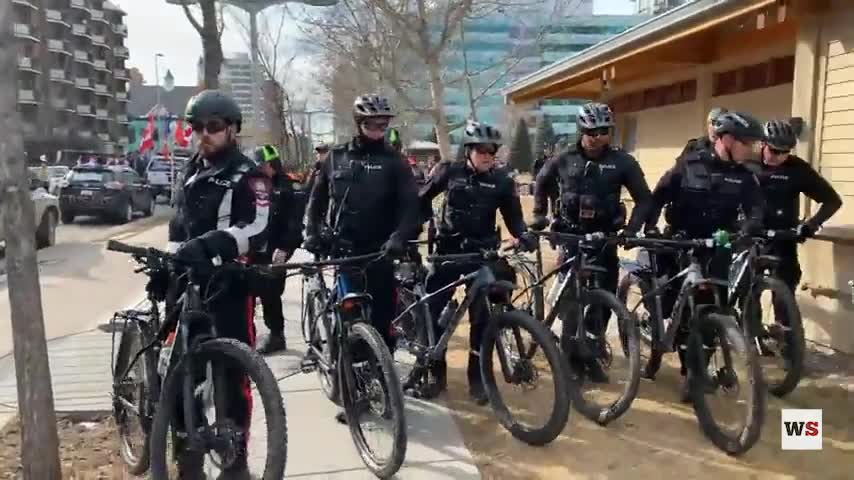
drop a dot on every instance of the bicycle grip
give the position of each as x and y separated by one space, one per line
117 246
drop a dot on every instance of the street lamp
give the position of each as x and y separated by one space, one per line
253 8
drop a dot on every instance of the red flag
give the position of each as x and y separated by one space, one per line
147 142
182 134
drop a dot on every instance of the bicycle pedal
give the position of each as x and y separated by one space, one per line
308 365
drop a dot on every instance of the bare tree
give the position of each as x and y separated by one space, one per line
404 43
40 442
210 30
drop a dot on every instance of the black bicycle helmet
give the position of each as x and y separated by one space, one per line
209 104
477 133
372 105
594 115
742 126
780 135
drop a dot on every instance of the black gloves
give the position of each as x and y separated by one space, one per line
201 250
540 223
393 247
314 244
805 231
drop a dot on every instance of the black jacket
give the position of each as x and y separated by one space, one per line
783 185
696 144
704 194
365 192
227 193
590 188
288 208
471 200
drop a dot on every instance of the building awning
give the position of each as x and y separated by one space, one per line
696 33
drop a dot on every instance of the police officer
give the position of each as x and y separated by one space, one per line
365 194
591 175
705 142
222 212
474 190
784 177
283 238
705 192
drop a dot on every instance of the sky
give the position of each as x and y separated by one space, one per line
157 27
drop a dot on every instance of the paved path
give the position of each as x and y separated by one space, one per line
319 448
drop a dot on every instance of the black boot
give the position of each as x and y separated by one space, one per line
440 377
275 342
476 390
191 464
238 471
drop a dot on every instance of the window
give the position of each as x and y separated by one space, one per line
782 70
630 133
755 76
725 83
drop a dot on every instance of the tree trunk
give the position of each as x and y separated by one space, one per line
39 442
211 44
437 92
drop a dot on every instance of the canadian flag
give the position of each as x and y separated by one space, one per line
147 142
182 133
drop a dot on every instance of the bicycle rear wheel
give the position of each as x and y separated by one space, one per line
716 333
255 368
631 291
783 340
370 388
519 369
320 325
133 392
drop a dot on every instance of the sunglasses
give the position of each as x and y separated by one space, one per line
485 149
778 152
321 150
211 126
375 126
597 132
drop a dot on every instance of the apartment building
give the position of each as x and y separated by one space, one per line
656 7
72 78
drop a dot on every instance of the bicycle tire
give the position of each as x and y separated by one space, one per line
528 277
629 336
418 372
134 337
560 371
255 368
727 326
328 382
795 342
653 363
393 395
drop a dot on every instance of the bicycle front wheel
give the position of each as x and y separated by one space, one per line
372 399
506 332
722 365
780 342
238 356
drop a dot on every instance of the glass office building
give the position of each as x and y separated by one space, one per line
500 49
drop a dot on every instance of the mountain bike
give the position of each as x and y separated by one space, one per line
502 337
353 362
752 273
703 326
191 358
585 309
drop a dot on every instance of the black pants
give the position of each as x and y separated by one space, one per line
233 314
271 300
596 319
451 272
377 280
789 269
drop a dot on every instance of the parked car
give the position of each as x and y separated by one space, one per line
47 213
162 174
113 193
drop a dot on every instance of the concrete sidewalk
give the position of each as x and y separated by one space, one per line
318 447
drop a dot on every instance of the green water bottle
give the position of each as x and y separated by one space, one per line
722 239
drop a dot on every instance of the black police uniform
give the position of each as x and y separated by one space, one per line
226 194
284 233
696 144
365 192
782 186
704 194
589 193
467 224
